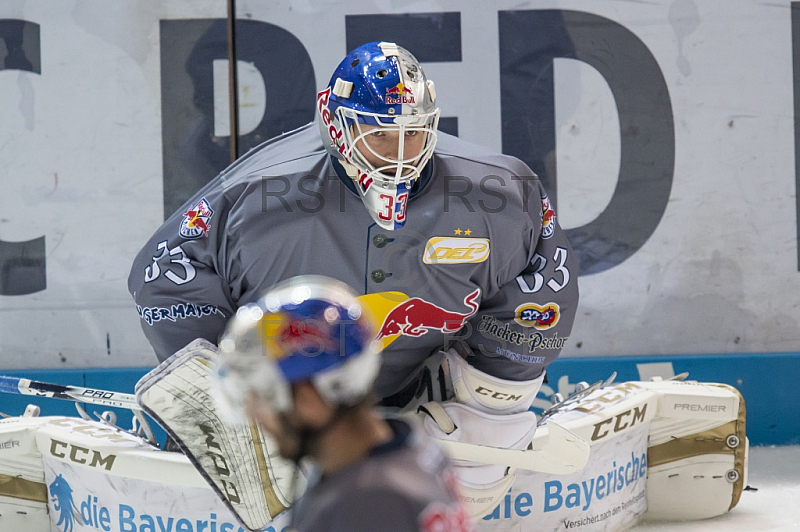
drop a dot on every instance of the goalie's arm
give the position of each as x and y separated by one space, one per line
522 326
171 315
178 283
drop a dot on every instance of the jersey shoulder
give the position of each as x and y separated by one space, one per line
295 152
462 153
483 180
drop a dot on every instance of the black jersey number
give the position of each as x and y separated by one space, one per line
539 262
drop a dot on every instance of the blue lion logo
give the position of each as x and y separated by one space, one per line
61 495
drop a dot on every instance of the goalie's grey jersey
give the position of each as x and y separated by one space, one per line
405 485
481 258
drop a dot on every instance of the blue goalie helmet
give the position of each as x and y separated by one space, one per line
378 117
309 328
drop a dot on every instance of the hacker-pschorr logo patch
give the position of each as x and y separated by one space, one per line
63 505
197 220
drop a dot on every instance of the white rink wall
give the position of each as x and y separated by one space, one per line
688 229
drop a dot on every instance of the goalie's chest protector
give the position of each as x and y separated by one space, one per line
422 281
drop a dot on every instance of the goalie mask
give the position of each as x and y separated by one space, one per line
309 328
378 117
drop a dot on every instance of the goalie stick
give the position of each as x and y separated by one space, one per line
558 407
563 453
93 396
79 394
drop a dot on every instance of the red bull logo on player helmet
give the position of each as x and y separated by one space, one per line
284 334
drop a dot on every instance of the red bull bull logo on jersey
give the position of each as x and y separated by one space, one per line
399 94
197 220
415 317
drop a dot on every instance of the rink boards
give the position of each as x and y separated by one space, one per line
645 461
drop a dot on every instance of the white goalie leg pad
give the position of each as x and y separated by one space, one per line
487 393
238 460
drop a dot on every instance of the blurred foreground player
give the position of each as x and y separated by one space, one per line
455 249
301 361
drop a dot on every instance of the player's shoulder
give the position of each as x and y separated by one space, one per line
457 153
411 454
502 186
295 152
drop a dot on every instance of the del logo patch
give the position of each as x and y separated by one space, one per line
197 220
538 317
455 250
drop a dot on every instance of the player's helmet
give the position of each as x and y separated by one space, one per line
309 328
378 117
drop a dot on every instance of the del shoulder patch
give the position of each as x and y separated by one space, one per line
455 250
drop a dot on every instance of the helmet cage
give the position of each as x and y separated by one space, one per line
400 169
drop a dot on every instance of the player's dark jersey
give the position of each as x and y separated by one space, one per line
404 485
481 258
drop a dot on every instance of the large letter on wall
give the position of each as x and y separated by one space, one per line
529 41
192 154
22 264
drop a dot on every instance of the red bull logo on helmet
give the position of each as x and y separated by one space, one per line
415 317
336 135
284 335
399 94
197 220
